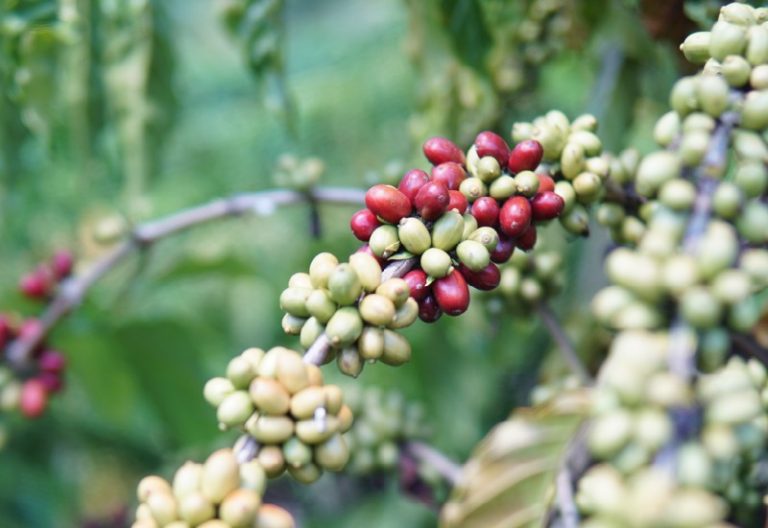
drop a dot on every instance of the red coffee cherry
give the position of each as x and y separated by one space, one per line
546 183
432 200
457 201
452 293
412 181
485 279
439 150
515 216
34 398
527 240
30 329
52 381
486 211
503 249
36 284
6 332
61 264
547 205
387 203
417 282
363 223
51 361
450 174
490 144
525 156
429 311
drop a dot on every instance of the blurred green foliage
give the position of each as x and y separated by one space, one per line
117 111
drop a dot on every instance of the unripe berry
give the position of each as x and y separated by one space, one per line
515 216
417 283
457 202
487 236
384 241
371 343
377 310
473 188
473 255
429 311
405 315
451 293
216 389
414 235
164 508
490 144
321 267
449 174
486 279
486 211
363 223
436 262
195 508
527 183
271 516
187 479
394 289
333 454
546 205
525 156
368 270
412 181
488 169
387 203
61 264
397 350
432 200
34 398
152 484
448 231
269 396
502 187
440 150
344 327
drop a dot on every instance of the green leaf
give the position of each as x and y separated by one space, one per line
509 479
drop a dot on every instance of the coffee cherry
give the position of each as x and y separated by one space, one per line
436 262
377 310
397 350
387 203
61 264
432 200
449 174
490 144
502 187
51 361
451 293
546 205
371 343
363 223
515 216
344 327
503 250
473 255
417 283
473 188
394 289
368 270
488 169
448 231
487 236
321 268
486 211
485 279
429 311
525 156
457 202
440 150
384 241
52 381
34 398
405 315
36 284
527 240
546 183
412 181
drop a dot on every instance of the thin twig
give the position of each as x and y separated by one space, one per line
563 343
72 291
447 468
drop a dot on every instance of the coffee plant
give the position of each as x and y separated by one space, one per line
573 302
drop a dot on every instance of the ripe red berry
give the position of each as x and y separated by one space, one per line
30 329
503 249
429 311
432 200
51 361
417 282
34 398
412 181
52 381
439 150
457 201
485 279
452 293
546 183
61 264
527 240
515 216
486 211
490 144
36 284
6 332
450 174
363 223
525 156
547 205
387 203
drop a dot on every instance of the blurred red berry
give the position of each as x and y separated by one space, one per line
34 398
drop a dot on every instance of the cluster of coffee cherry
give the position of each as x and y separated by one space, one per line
220 493
41 282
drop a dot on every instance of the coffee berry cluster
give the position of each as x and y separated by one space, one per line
220 493
527 280
383 421
283 404
354 306
41 282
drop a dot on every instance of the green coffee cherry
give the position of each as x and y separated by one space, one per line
316 431
320 305
306 474
163 507
753 221
377 310
371 343
320 269
472 188
350 362
693 147
696 47
572 160
300 280
221 475
576 221
447 231
752 178
487 236
240 507
291 324
196 509
565 191
473 255
712 92
727 200
397 350
527 183
294 301
187 479
270 429
736 70
344 327
217 389
754 111
678 194
656 169
368 270
470 225
667 129
758 78
414 235
700 308
252 476
235 409
503 187
271 459
727 39
405 315
757 45
587 187
488 169
384 241
270 397
683 99
344 285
